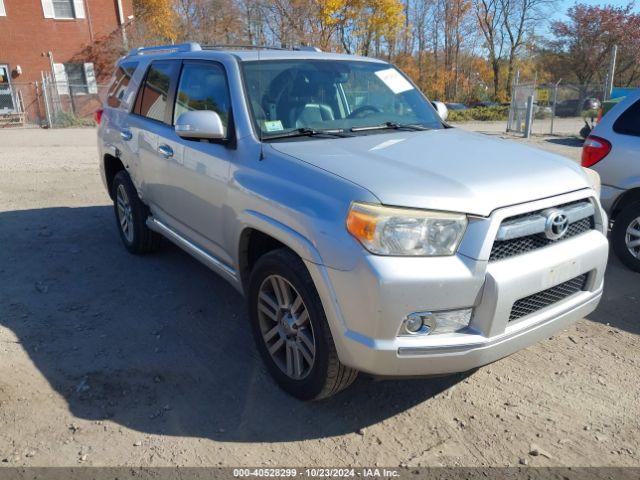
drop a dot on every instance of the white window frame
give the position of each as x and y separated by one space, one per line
49 11
3 12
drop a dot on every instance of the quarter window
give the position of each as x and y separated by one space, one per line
629 122
120 82
152 98
203 86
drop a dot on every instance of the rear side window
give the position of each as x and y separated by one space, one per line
120 83
203 86
629 122
154 92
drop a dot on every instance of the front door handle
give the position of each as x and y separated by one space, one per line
126 134
166 151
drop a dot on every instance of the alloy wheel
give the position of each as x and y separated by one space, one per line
125 214
632 238
285 327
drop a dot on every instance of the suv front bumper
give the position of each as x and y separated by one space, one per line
366 306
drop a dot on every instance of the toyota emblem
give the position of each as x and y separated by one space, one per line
556 224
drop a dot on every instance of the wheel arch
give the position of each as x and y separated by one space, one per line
627 198
112 165
262 234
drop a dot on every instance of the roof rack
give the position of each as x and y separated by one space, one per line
196 47
224 46
180 47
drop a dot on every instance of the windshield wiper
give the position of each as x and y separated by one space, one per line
391 125
308 132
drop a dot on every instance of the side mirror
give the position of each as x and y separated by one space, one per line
200 124
442 110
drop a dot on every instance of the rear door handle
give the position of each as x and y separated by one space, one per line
126 134
166 151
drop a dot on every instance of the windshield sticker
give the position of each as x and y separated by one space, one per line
394 80
273 125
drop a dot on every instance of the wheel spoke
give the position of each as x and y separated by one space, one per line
269 301
303 318
633 244
276 291
263 308
297 303
306 352
308 342
297 360
289 355
284 291
270 334
276 346
634 232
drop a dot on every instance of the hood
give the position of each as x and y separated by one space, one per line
448 169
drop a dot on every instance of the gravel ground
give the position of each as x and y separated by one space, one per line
111 359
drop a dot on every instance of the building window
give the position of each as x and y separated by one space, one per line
63 9
3 12
76 77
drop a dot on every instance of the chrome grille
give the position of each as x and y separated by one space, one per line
538 301
502 249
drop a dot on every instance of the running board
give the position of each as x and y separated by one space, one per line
194 250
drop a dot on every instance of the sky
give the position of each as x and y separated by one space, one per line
563 6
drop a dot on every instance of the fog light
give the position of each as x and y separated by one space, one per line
413 323
425 323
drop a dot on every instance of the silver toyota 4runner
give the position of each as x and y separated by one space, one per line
365 232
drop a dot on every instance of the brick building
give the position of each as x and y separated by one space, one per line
47 36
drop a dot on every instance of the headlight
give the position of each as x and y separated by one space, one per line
405 231
594 179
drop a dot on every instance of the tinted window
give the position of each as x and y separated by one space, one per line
202 86
152 99
629 122
120 82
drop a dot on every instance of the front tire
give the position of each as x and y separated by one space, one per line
131 216
625 236
291 330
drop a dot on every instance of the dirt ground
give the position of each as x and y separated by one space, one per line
111 359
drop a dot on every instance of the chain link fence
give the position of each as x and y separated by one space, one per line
49 104
558 109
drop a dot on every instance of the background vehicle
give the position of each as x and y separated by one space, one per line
366 234
456 106
613 150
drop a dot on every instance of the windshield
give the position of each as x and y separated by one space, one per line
332 95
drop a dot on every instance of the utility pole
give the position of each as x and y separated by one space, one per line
612 70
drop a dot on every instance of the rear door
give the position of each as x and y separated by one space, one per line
196 172
150 118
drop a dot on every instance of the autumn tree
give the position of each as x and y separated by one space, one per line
157 18
583 44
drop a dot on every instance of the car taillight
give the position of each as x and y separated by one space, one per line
98 115
594 150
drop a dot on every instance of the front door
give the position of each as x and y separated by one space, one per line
7 104
194 180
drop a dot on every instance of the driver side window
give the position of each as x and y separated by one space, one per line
203 86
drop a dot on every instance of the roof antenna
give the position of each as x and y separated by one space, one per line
261 157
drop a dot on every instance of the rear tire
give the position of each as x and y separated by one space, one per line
287 318
131 216
625 234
